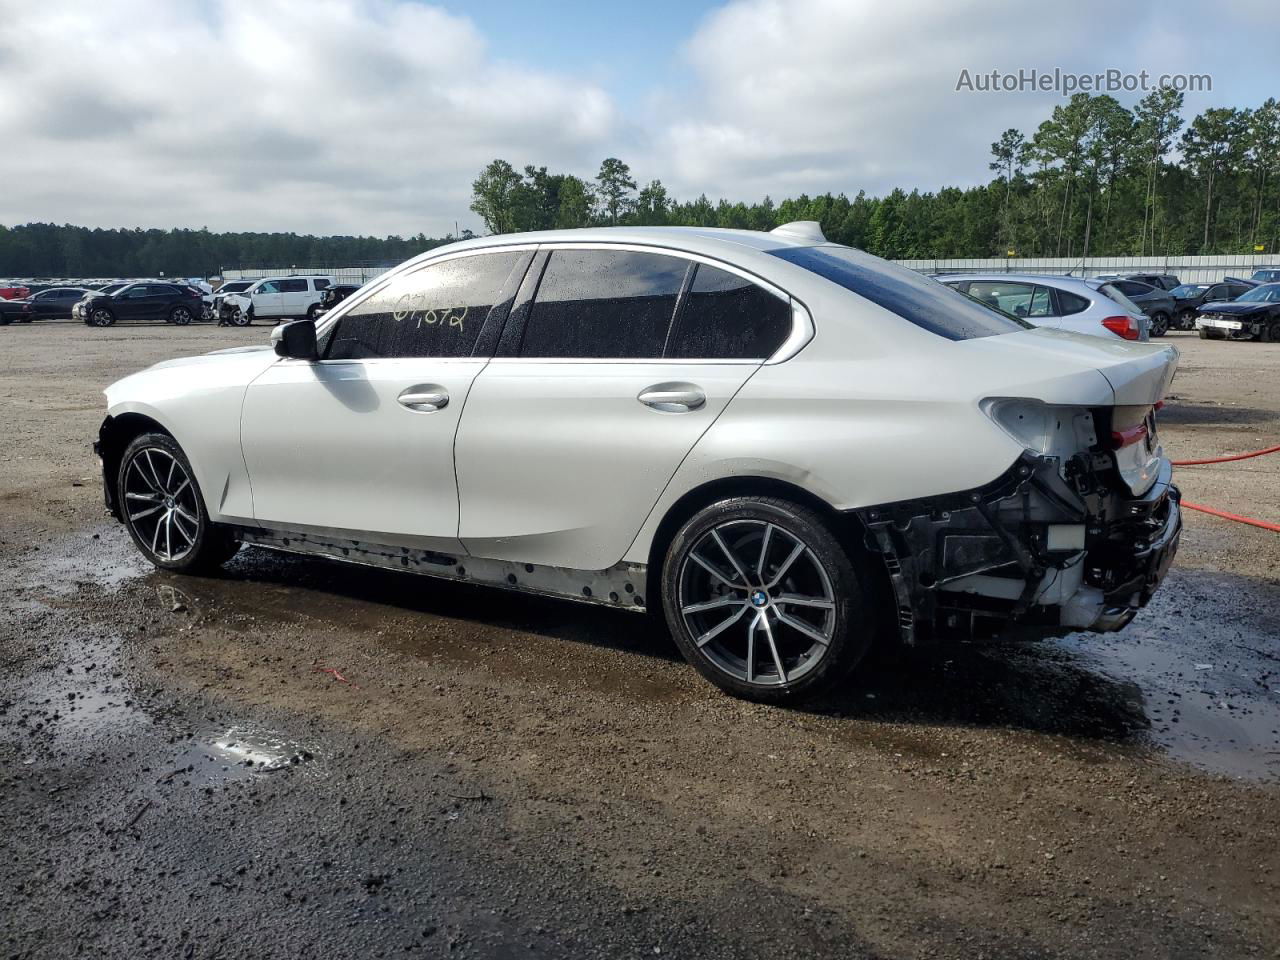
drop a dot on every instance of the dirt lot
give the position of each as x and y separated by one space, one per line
489 776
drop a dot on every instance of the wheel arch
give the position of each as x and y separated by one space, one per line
114 436
846 526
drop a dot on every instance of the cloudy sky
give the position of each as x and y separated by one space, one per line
374 116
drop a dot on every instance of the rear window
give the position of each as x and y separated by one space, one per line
918 299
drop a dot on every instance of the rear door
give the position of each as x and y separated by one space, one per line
295 295
1029 301
360 443
613 364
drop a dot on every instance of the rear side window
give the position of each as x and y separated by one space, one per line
320 284
293 286
727 317
1070 303
917 299
436 311
608 304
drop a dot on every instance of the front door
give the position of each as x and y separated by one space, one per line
266 299
360 442
569 440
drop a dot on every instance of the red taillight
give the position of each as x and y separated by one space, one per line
1122 326
1158 407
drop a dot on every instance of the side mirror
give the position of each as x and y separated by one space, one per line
296 340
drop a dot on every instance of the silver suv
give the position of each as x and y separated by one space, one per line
789 448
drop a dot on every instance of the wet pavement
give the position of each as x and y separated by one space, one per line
304 758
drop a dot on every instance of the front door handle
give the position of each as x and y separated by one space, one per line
673 397
424 399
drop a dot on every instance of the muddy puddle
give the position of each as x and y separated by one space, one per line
1197 675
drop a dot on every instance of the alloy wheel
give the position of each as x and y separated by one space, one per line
239 317
160 504
181 316
101 318
757 602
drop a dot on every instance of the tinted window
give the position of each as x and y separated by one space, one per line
271 286
1217 292
436 311
1069 303
727 317
319 284
293 286
1237 291
916 298
1131 289
603 303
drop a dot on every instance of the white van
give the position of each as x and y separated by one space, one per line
274 298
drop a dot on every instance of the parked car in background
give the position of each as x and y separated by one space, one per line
274 298
53 303
1163 281
334 295
1190 297
1063 303
792 449
10 311
1254 315
214 299
143 302
13 291
1156 302
1266 275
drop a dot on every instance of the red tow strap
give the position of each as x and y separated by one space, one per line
1263 524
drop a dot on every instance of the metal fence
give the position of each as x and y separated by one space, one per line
1188 269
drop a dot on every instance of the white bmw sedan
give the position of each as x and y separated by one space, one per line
789 448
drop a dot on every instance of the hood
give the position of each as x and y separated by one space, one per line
1237 309
254 348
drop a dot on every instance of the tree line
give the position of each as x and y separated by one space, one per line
1094 179
50 250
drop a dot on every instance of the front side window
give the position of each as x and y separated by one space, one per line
605 304
728 317
435 311
268 286
913 297
1188 290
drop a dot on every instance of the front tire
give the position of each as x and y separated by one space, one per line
163 509
1159 324
1186 320
101 317
241 318
764 601
1208 334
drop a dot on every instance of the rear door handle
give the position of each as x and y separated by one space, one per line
673 397
426 399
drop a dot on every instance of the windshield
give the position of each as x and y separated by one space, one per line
916 298
1269 293
111 288
1189 289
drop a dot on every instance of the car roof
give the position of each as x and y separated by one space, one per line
1061 282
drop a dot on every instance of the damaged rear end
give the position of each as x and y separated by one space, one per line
1075 535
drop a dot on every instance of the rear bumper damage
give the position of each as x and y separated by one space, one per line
1051 547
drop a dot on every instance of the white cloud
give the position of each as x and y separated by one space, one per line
813 95
374 116
367 116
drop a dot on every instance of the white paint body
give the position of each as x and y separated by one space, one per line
555 462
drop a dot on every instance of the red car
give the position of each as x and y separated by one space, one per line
9 292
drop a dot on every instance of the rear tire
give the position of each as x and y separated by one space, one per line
1159 324
181 316
163 508
1271 332
1186 320
764 601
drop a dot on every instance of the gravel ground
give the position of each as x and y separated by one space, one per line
303 759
